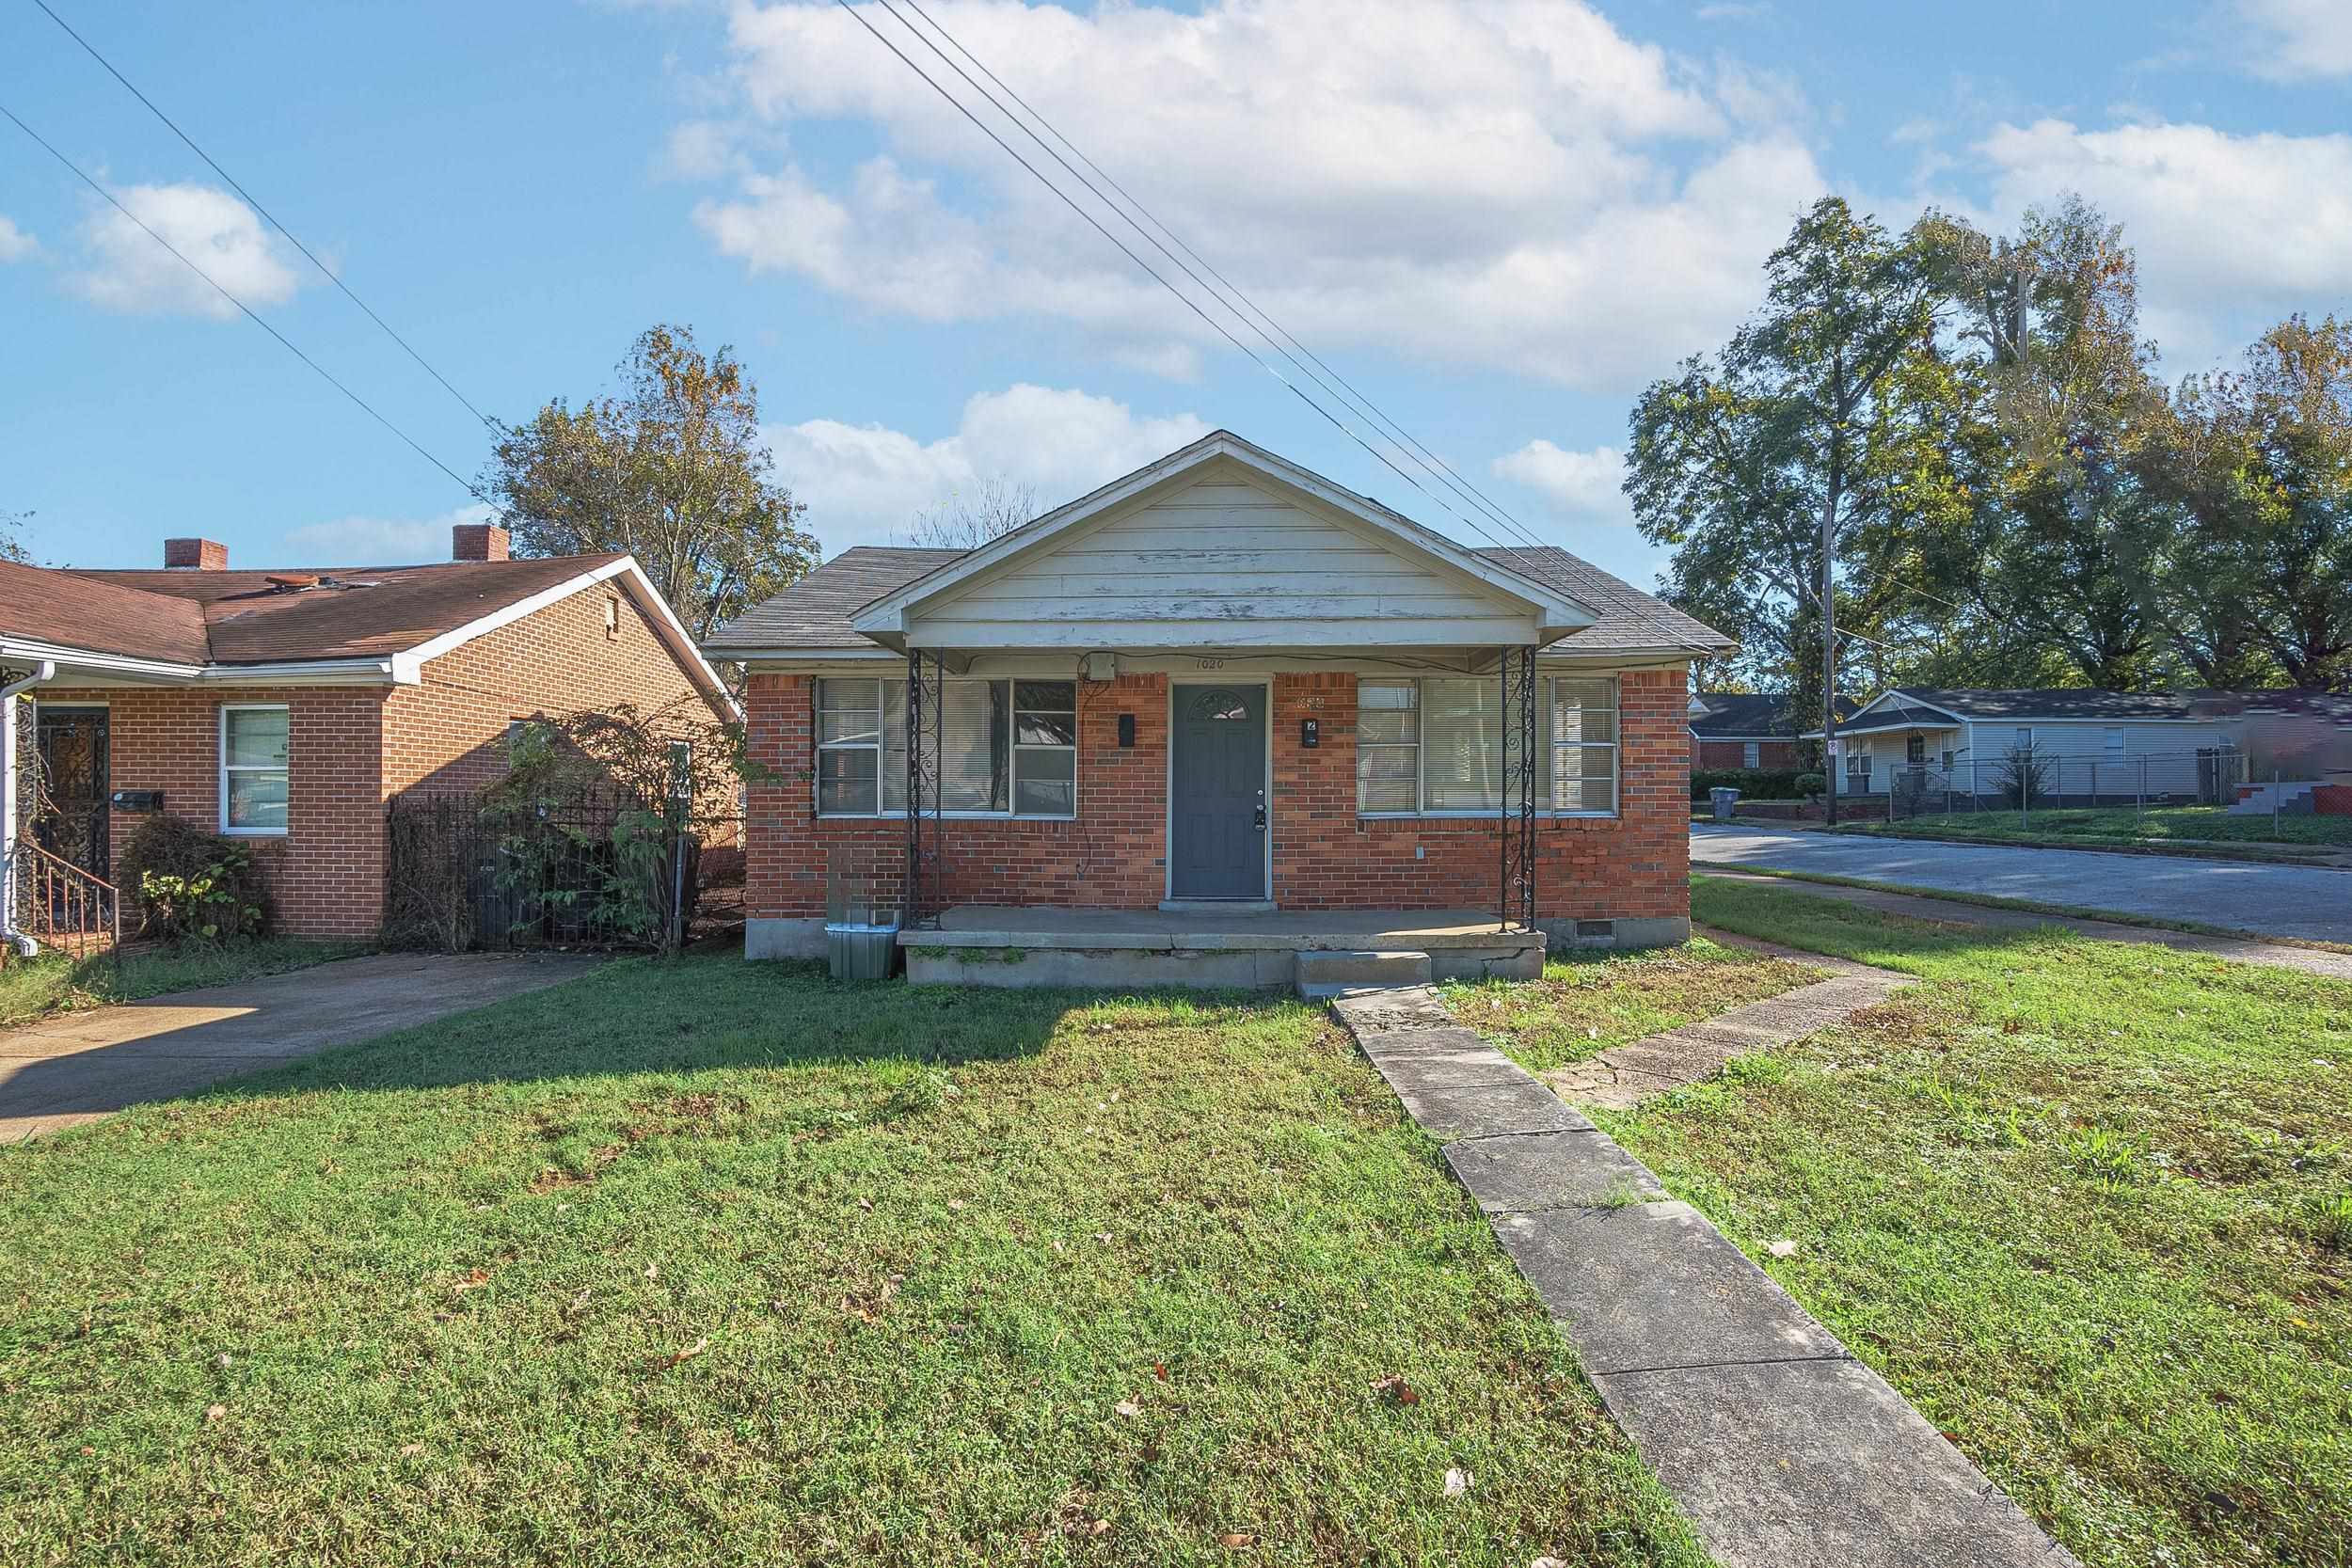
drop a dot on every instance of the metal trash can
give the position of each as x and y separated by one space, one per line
1724 799
858 951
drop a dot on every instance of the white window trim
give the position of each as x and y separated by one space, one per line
1012 746
220 754
1421 782
1752 756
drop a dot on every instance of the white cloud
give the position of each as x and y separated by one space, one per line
1582 483
2295 39
126 270
1516 186
15 243
864 483
379 541
2224 224
1175 361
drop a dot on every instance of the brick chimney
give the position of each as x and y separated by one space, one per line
477 541
202 555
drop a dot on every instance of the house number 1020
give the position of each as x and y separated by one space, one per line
1208 664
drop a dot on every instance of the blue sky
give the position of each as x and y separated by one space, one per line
1498 221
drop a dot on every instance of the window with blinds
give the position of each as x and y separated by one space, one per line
1008 748
1433 747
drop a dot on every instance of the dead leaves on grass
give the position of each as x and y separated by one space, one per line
1395 1390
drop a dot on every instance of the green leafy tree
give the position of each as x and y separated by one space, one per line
1819 421
2263 459
2060 451
672 470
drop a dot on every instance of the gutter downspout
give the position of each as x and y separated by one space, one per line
46 670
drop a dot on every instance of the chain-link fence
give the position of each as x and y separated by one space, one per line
2025 781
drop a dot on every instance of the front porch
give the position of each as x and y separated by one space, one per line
1318 951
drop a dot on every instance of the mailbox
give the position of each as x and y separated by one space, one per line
138 800
1310 732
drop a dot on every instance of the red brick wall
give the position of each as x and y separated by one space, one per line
1111 857
1325 857
1729 754
2332 801
1636 863
450 733
351 747
328 872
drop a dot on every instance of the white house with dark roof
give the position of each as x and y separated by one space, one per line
2090 743
1218 686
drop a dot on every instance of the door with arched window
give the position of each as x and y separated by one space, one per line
1217 807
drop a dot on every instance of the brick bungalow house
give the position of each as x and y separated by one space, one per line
286 707
1221 683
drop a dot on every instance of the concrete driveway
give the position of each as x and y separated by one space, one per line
79 1067
2276 900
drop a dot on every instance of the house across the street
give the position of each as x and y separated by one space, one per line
2090 745
288 706
1221 685
1750 729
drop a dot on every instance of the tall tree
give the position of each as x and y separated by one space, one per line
2060 544
672 470
1811 429
2264 458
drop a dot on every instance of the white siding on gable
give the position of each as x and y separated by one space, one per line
1220 562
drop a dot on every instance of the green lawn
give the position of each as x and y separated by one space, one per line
52 983
718 1262
2120 824
2088 1205
1590 1000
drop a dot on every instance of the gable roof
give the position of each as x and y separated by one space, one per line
1552 606
2060 703
814 613
1625 619
381 610
1753 716
70 609
188 622
822 614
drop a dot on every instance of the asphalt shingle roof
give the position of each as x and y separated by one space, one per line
197 617
815 612
1756 716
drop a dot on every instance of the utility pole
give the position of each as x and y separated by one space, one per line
1829 650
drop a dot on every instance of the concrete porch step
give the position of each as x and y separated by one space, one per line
1323 974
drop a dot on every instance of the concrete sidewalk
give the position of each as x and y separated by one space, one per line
81 1066
1784 1450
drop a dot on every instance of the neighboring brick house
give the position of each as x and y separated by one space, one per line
288 706
1220 682
1750 729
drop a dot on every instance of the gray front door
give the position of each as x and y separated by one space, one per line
1216 794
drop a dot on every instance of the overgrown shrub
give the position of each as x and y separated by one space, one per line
188 884
1810 785
1754 784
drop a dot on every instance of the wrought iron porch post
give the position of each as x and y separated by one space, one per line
924 751
1516 894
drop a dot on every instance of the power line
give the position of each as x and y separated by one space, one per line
1397 436
288 343
1152 271
328 272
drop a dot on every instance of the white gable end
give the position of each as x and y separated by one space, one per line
1227 559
